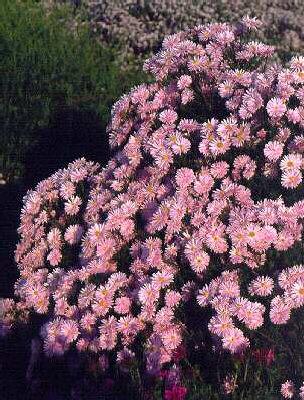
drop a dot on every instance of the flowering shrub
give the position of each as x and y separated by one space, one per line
187 227
139 26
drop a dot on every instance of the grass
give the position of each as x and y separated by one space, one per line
45 68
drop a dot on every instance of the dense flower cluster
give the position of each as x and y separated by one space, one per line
138 27
204 187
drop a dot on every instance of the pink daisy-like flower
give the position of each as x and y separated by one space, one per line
273 150
297 293
54 257
291 179
219 169
261 286
122 305
73 234
54 238
219 146
301 393
287 389
291 162
168 117
72 206
171 338
279 311
184 82
234 340
200 262
276 108
172 298
69 329
184 177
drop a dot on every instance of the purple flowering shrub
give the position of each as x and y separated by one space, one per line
193 230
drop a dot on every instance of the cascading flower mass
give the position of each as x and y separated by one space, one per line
205 186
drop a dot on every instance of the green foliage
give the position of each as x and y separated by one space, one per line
45 66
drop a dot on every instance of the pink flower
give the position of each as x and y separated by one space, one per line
291 162
273 150
122 305
184 82
276 108
287 389
279 311
168 117
73 234
234 340
184 177
72 206
54 257
171 338
291 179
261 286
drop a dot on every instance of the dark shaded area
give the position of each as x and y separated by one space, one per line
72 133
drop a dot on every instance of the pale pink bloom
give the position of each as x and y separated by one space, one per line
297 292
204 182
72 206
221 324
168 117
291 179
162 279
181 145
204 296
287 389
279 311
184 177
54 257
252 315
73 234
276 108
227 128
122 305
88 321
291 162
184 82
69 329
54 238
96 232
171 338
273 150
226 89
297 63
103 301
294 115
200 262
147 294
251 22
219 169
241 135
172 298
261 286
234 340
219 146
78 174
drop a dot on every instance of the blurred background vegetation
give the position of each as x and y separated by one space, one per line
57 89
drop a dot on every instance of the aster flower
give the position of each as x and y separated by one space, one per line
287 389
261 286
